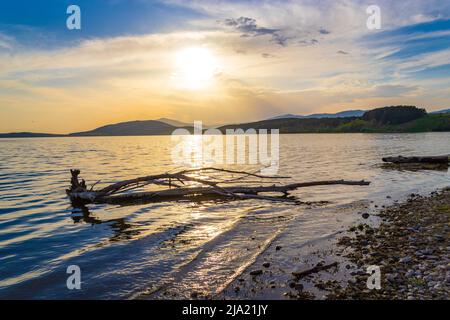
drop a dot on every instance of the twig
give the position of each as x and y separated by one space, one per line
317 268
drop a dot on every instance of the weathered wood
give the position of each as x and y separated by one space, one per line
115 192
417 159
75 185
415 166
179 176
238 192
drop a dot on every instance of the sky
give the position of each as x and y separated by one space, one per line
215 61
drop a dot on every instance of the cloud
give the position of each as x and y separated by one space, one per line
274 56
7 43
267 55
308 42
393 90
412 52
248 27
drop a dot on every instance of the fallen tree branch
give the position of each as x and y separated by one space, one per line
115 193
244 173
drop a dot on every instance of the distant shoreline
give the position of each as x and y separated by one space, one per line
387 122
5 136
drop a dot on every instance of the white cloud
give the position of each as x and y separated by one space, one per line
130 75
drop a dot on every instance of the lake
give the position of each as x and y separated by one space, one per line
126 251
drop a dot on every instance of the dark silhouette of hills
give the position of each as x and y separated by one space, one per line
342 114
130 128
29 135
441 111
174 123
387 119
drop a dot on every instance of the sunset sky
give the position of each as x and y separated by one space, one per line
215 61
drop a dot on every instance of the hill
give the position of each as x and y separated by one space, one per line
29 135
387 119
441 111
428 123
130 128
342 114
174 123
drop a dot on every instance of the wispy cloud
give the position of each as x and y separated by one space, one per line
273 57
248 28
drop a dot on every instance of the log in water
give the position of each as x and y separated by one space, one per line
418 159
208 187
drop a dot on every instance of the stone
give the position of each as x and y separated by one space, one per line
256 272
298 287
406 259
427 251
391 277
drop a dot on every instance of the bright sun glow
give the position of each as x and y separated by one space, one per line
195 68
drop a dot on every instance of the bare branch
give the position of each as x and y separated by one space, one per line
115 192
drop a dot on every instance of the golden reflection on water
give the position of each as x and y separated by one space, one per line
146 244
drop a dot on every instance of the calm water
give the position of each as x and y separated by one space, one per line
124 251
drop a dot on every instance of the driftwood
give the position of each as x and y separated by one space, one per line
191 183
430 159
415 166
317 268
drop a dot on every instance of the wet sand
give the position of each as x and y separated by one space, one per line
410 242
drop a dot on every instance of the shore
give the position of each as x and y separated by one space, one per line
410 242
412 247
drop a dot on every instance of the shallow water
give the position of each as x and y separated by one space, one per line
124 251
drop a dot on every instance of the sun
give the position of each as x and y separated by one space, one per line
195 68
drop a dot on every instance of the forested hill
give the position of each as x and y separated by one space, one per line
387 119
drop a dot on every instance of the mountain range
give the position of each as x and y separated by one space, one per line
441 111
342 114
288 123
